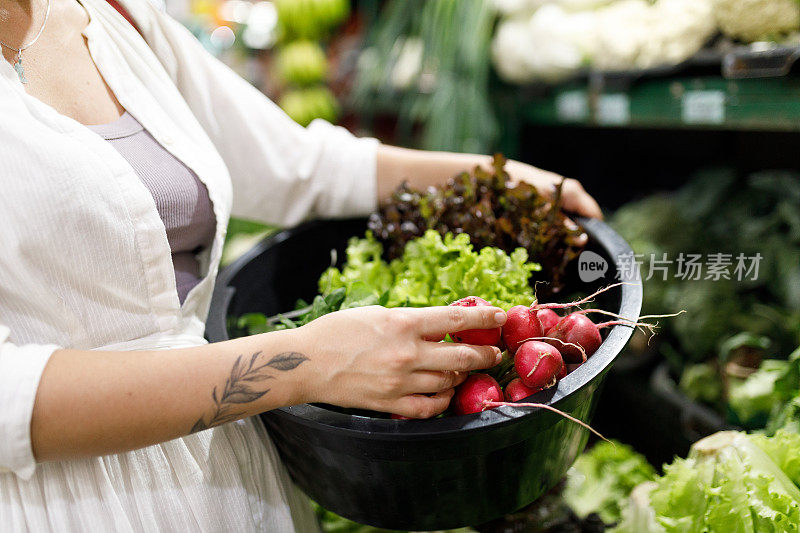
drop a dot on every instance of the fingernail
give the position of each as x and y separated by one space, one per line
500 317
498 357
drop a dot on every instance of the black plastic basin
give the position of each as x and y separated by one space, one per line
419 474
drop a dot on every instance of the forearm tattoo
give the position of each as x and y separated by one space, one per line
246 384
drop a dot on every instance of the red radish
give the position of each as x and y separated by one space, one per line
538 364
575 330
400 417
477 389
547 318
571 367
522 324
479 337
563 373
517 390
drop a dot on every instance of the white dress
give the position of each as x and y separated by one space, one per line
85 264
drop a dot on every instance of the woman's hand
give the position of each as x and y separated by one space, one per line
391 360
574 197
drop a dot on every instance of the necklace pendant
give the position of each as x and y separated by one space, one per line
20 69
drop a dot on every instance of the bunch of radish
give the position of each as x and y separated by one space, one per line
541 347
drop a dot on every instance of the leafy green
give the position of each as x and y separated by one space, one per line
440 91
740 341
241 236
494 213
433 270
718 211
701 382
363 264
787 417
783 448
252 323
255 323
602 478
710 307
763 394
730 482
753 398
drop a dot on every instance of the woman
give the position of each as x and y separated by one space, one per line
116 415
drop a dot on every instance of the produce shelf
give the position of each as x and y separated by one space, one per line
692 102
747 89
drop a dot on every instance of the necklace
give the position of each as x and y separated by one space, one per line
18 65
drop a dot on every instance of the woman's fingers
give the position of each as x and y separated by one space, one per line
458 357
422 406
577 200
434 322
580 239
427 382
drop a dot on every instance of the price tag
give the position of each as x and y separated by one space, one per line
613 109
572 106
703 107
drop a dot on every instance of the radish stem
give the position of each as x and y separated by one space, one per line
508 378
536 307
488 404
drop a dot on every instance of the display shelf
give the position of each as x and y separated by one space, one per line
690 102
744 89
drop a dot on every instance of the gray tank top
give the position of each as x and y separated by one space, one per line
181 198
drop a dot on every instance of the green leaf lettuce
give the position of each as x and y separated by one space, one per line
602 478
730 483
433 270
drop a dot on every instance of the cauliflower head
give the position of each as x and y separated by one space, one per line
754 20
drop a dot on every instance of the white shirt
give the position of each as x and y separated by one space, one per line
85 263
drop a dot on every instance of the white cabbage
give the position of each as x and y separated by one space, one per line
752 20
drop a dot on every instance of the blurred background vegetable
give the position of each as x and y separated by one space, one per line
559 39
301 64
602 478
729 349
730 481
439 51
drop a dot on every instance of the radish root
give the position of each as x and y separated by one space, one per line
602 312
622 321
534 368
537 306
537 366
670 315
563 343
488 404
620 317
645 325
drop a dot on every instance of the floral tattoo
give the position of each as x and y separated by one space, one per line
246 384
